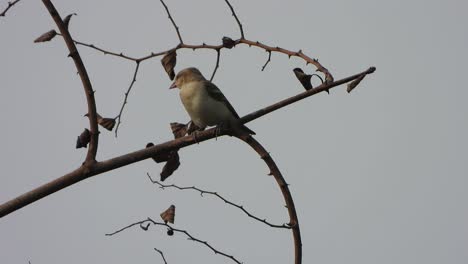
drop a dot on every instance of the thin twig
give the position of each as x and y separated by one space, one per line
162 255
150 221
268 60
162 186
173 22
237 19
10 5
218 54
119 116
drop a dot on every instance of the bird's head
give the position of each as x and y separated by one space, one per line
187 75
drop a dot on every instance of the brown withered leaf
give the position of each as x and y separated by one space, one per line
107 123
83 139
178 129
161 157
169 62
171 165
303 78
355 83
168 215
46 36
66 20
228 42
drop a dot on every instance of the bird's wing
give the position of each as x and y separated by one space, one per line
216 94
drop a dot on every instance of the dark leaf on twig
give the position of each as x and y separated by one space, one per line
66 20
355 83
178 129
303 78
161 157
228 42
168 215
172 164
169 62
46 36
83 139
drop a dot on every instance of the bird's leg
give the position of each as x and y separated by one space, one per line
193 130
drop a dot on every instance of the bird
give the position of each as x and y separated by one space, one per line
205 103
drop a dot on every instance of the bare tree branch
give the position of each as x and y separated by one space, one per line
10 5
139 155
162 186
150 221
162 255
119 116
92 114
173 22
237 19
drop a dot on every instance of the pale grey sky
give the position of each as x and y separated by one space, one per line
378 176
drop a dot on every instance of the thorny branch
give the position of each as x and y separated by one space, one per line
276 173
202 192
237 19
173 22
150 222
10 5
119 116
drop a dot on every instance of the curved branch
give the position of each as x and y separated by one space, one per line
92 114
276 173
139 155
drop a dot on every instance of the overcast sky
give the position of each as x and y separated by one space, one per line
378 175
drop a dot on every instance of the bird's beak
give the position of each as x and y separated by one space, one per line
173 85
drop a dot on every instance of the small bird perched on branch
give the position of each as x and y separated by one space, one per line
205 103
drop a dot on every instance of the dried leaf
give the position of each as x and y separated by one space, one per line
46 36
168 215
107 123
83 139
161 157
66 20
169 62
171 165
303 78
178 129
228 42
355 83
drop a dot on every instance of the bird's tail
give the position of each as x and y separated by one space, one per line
247 130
